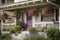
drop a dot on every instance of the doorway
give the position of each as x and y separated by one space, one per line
29 20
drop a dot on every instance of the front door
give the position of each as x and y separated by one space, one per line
29 20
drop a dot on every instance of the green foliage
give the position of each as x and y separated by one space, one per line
31 29
12 31
35 37
4 29
5 37
53 34
18 27
0 33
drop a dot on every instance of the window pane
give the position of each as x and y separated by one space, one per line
3 1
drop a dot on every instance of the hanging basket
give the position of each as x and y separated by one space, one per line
4 16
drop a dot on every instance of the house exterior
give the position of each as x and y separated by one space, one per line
35 13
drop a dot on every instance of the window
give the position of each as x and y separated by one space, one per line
48 15
3 1
37 17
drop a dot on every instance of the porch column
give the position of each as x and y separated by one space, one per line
15 20
59 18
33 21
55 14
2 20
0 2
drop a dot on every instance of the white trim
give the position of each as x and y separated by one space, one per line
2 22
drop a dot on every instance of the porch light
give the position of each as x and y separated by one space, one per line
42 12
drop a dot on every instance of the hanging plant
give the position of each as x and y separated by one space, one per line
36 13
5 16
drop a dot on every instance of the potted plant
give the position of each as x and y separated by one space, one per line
5 16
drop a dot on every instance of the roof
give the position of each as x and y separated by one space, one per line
27 4
56 2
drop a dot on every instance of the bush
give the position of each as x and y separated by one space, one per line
0 33
4 29
8 29
17 28
31 29
35 37
5 37
53 34
12 31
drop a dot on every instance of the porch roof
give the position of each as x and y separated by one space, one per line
26 4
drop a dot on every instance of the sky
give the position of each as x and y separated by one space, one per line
19 0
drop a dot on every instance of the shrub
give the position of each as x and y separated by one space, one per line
8 29
0 33
35 37
4 29
31 29
5 37
18 27
53 34
12 31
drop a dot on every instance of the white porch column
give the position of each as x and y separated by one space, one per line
15 20
1 21
33 22
59 18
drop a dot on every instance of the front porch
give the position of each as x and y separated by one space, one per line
44 15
